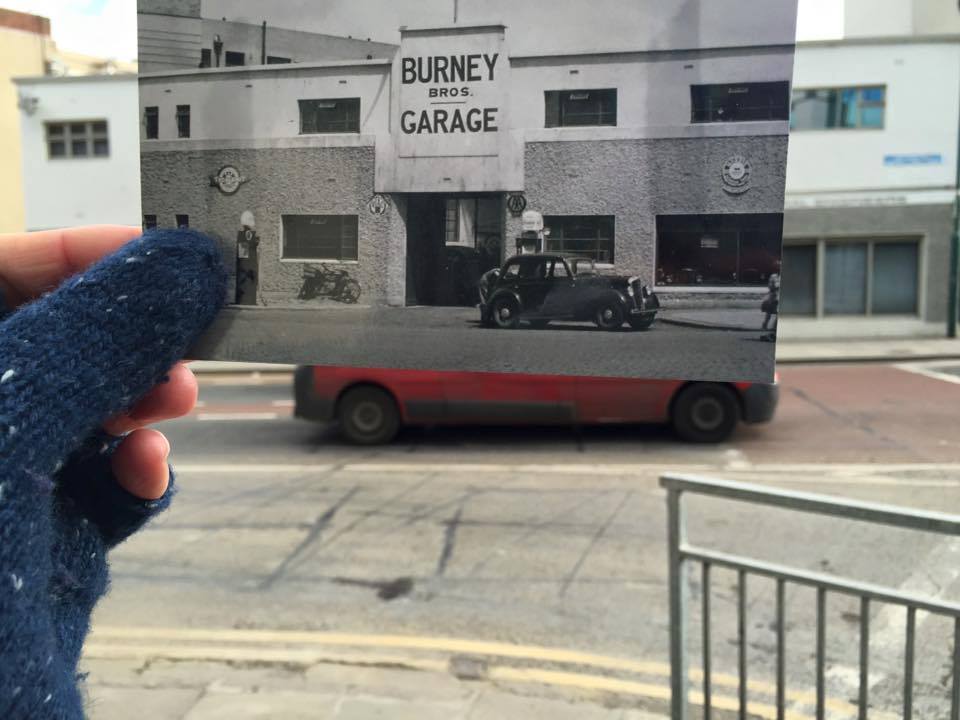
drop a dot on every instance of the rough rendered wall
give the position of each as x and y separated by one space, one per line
328 181
180 8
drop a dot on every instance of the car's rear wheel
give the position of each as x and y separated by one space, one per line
641 323
368 416
705 413
505 314
608 316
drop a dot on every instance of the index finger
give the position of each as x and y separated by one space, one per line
34 263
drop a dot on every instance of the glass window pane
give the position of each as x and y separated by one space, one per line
895 278
78 128
78 148
100 126
871 117
58 148
845 279
55 130
798 289
873 94
101 148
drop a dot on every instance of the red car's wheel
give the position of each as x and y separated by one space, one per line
705 413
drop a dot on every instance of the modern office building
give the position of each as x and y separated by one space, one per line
659 152
872 177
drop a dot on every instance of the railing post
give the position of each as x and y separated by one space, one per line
679 681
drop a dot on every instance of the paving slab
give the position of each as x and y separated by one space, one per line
370 708
264 706
121 703
495 705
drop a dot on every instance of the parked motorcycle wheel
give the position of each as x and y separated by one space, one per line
641 323
350 292
505 314
609 316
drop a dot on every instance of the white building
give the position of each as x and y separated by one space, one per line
871 177
79 139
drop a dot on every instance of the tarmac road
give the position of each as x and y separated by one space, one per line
288 553
453 339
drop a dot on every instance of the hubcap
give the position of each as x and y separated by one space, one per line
607 314
368 416
707 413
505 313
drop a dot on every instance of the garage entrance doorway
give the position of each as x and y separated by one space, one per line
451 241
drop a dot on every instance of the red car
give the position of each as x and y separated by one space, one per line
372 405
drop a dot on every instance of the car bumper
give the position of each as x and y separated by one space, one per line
306 403
760 403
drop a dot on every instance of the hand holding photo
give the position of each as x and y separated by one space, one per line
589 189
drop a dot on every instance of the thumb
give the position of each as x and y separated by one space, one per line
92 347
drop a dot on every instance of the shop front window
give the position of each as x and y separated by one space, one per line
588 236
581 108
718 250
320 237
341 115
743 102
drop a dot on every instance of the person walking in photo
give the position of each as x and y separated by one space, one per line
771 306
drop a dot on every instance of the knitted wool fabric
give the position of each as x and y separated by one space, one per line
68 362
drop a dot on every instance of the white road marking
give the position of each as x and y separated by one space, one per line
928 370
235 417
282 403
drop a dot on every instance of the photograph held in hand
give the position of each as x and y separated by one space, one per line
587 189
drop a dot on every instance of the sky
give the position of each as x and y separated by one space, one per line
107 28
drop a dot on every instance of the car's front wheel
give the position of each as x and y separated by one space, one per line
505 314
641 323
368 416
705 413
608 316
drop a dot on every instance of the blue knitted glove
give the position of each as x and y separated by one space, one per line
68 362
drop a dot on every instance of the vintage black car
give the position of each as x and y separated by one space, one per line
542 287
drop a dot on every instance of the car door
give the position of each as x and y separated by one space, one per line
533 285
561 291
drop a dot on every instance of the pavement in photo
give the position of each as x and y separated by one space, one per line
453 339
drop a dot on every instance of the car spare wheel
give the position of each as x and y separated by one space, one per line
368 416
505 313
609 316
705 413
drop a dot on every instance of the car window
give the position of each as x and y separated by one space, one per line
559 269
535 269
512 270
584 267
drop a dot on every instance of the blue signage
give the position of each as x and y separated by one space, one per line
910 160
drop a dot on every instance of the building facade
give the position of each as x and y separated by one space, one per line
397 165
79 142
871 183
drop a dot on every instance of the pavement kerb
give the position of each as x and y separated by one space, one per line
501 663
710 326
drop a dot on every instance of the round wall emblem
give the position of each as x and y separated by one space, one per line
516 203
228 179
378 204
736 174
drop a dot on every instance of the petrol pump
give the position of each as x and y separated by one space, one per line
532 237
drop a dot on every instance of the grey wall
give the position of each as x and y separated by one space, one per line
180 8
334 181
931 223
636 180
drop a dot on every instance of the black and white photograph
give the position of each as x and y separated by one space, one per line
581 188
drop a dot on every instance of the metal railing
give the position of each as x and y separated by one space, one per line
682 554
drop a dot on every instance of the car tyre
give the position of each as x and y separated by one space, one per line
368 416
505 314
705 413
641 323
609 316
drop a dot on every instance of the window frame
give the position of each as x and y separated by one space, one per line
327 261
758 289
182 221
550 221
860 105
820 243
301 104
68 136
234 54
182 116
150 224
710 108
549 95
151 112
